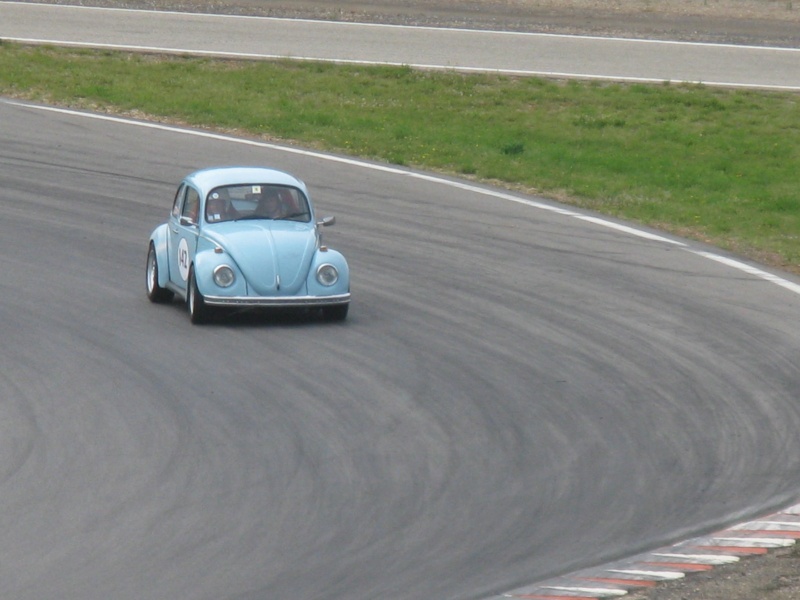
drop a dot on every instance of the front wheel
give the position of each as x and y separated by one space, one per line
155 292
199 311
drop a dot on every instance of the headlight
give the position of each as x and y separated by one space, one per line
327 274
224 276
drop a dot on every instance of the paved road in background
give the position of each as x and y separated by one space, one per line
508 52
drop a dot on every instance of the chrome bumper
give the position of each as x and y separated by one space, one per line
277 301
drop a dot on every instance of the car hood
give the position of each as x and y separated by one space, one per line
273 256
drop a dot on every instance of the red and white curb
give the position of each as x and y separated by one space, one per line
615 580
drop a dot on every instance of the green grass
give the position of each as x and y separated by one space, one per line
717 165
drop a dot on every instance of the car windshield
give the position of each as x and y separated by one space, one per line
257 201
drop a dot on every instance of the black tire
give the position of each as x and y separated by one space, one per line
337 312
155 292
199 312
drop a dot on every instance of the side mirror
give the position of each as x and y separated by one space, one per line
186 221
326 221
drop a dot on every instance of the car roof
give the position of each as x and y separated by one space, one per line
207 179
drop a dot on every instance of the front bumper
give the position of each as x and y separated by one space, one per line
277 301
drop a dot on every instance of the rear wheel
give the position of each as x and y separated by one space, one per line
154 291
337 312
199 311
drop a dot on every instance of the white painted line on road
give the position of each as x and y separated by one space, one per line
750 270
659 575
599 592
630 230
701 559
735 264
753 542
160 49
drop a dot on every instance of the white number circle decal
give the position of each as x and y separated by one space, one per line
183 259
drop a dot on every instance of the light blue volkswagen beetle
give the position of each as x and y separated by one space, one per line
245 237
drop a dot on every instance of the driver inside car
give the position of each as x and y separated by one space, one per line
219 209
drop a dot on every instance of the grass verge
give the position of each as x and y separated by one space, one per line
717 165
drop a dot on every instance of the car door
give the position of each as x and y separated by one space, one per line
183 232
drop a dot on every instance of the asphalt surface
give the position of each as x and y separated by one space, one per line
441 48
518 391
741 22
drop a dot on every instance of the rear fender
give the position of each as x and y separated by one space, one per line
159 240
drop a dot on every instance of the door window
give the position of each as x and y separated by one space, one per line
191 206
176 205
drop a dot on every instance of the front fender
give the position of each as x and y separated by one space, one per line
332 257
205 261
159 240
